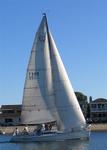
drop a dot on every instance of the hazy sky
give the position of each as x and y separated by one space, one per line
79 28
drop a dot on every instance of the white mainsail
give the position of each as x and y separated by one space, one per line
48 94
38 97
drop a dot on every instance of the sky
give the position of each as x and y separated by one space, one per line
79 28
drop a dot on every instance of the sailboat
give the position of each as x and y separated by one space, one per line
48 95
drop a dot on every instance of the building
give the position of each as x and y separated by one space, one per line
98 110
95 111
10 115
82 99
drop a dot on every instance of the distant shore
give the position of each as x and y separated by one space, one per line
93 128
99 127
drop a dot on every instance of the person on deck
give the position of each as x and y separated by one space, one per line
26 130
39 129
48 126
16 131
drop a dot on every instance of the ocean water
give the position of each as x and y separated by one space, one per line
98 141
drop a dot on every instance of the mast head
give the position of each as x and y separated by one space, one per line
45 17
44 14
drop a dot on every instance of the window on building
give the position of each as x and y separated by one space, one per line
18 111
103 115
93 105
102 105
94 115
19 120
8 120
99 105
100 115
8 111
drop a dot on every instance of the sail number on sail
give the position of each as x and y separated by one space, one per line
42 37
33 75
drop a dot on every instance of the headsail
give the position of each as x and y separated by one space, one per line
66 102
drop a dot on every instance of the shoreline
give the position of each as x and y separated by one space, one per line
98 127
93 128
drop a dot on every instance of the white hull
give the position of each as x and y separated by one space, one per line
52 136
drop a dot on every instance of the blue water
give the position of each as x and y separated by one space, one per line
98 141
